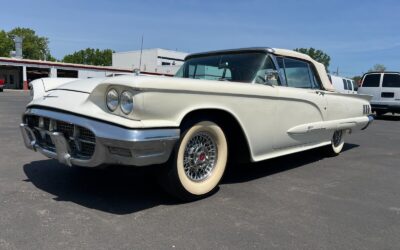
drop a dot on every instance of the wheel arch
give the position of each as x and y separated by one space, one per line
231 126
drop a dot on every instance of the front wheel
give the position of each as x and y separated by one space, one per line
198 163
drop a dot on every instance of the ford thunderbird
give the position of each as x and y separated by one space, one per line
252 104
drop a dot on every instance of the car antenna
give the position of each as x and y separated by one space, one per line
141 51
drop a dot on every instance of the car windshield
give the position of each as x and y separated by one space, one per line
235 67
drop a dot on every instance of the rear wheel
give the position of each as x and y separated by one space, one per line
198 163
337 143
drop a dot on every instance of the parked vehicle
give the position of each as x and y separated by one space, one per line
384 87
257 103
2 84
343 85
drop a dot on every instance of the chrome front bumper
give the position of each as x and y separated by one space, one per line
113 144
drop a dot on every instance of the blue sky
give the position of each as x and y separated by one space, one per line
356 34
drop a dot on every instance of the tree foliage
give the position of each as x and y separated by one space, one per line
90 56
357 79
6 44
316 54
33 46
377 68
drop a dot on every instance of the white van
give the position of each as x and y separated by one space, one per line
343 85
385 89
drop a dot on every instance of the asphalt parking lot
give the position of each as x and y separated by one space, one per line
301 201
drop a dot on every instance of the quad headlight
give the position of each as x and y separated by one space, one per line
126 102
112 100
119 101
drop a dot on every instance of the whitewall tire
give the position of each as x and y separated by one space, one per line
198 163
337 142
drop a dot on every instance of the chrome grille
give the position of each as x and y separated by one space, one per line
81 140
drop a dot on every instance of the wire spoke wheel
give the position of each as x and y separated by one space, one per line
200 156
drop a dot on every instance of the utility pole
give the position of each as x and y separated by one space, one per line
337 71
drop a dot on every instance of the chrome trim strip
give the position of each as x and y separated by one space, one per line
146 146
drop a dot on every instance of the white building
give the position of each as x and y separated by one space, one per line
17 73
160 61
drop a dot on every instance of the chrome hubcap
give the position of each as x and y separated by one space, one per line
337 138
200 156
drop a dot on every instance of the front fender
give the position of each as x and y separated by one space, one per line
41 86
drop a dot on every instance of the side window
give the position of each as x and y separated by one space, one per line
344 84
298 74
349 85
371 80
391 81
262 72
315 83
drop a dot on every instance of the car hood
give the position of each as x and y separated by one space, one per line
86 85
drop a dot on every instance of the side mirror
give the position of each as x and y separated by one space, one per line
271 77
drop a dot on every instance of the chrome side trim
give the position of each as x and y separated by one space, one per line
145 146
355 122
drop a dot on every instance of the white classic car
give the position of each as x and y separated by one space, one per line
258 103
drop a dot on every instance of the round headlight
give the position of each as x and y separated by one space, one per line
112 99
126 102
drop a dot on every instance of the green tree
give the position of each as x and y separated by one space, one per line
377 68
357 79
316 54
90 56
6 44
33 46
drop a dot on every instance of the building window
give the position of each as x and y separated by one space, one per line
165 63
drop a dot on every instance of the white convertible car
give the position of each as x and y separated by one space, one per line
257 103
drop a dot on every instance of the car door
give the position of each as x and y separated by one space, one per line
301 102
